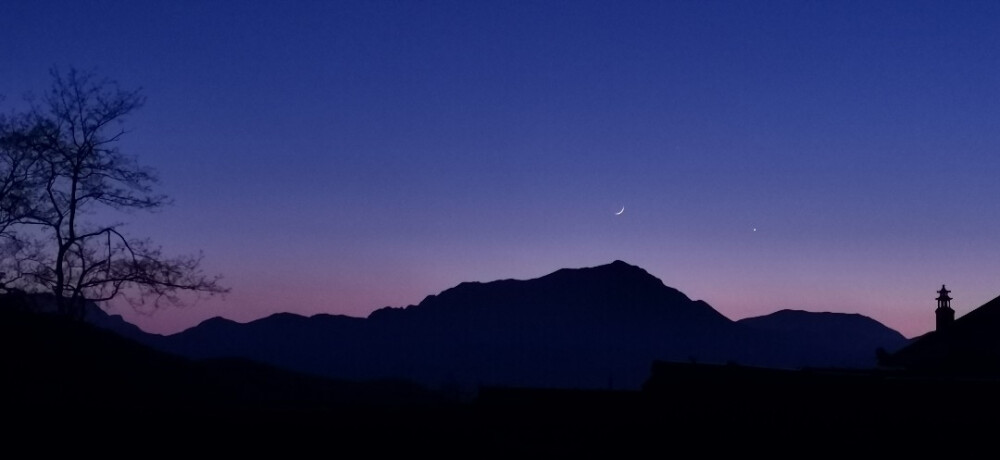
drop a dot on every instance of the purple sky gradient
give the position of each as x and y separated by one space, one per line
343 156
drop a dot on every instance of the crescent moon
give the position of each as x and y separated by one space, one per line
620 212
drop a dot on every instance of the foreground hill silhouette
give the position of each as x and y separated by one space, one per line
597 327
71 384
970 346
105 388
55 364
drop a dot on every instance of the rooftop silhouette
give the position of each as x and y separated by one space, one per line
967 346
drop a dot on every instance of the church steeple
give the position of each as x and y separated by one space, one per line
945 315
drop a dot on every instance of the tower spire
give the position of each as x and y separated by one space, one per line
945 315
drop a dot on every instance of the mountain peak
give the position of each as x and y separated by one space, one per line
618 264
616 268
618 292
624 267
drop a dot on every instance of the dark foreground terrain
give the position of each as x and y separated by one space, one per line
69 385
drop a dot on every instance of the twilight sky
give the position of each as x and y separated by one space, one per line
340 156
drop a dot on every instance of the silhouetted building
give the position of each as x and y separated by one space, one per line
945 315
966 346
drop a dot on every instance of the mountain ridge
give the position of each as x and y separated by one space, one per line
574 327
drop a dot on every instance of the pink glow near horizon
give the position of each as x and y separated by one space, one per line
910 313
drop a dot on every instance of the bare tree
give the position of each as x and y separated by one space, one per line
76 168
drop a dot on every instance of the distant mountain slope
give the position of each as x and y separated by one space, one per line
587 327
835 339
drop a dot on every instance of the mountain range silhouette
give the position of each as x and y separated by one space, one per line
596 327
542 352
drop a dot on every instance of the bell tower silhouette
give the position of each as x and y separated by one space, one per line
945 315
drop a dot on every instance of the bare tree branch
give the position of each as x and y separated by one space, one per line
61 161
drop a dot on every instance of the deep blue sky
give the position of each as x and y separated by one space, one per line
343 156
